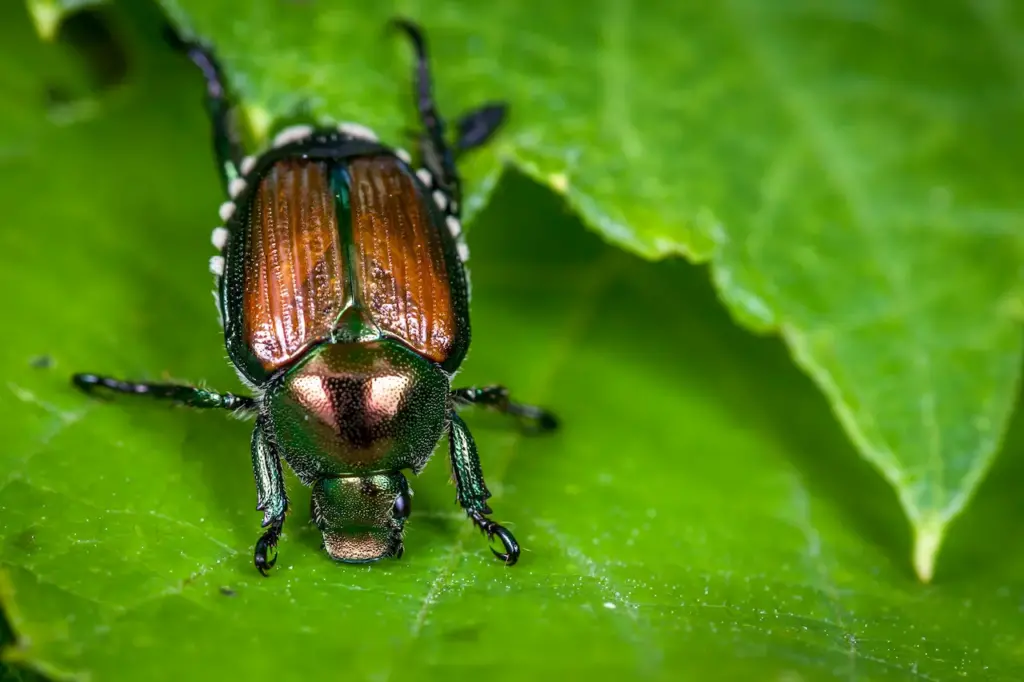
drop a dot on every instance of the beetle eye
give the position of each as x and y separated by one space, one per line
403 506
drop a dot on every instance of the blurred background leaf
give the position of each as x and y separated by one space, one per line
700 517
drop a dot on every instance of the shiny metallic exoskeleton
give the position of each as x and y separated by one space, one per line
342 290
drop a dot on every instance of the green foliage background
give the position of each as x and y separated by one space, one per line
702 515
862 203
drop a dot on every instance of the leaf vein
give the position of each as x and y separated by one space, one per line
615 67
825 585
650 655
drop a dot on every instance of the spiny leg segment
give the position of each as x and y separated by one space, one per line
471 490
191 396
532 418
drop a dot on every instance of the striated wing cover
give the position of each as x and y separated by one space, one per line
407 271
292 277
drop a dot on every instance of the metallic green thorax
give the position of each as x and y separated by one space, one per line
358 409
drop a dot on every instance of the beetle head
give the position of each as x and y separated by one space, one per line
362 517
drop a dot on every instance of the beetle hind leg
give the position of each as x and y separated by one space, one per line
479 125
472 491
226 139
437 155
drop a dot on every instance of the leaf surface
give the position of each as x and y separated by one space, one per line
700 516
864 205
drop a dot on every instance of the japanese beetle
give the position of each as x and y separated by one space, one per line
345 305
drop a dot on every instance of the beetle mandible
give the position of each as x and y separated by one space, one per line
342 290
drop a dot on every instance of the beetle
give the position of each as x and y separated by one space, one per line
344 299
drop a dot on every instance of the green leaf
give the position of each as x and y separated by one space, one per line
866 209
48 14
863 204
701 516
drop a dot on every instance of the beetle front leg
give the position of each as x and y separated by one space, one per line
537 419
190 396
470 487
226 140
271 498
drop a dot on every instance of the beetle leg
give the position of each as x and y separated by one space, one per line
265 545
226 140
508 541
534 419
476 127
437 156
270 495
470 487
191 396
